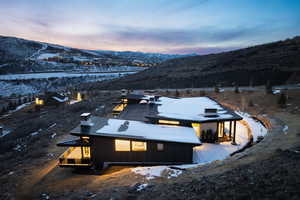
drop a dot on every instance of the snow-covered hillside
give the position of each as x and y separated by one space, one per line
19 56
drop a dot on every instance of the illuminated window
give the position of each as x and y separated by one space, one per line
39 101
139 146
79 97
122 145
86 152
197 128
160 146
168 122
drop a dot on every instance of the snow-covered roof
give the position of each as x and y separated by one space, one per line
139 130
192 109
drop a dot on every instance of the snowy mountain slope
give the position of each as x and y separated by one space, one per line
20 55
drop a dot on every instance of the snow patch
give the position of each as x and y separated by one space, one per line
156 171
34 133
256 127
53 135
47 55
285 129
4 133
141 187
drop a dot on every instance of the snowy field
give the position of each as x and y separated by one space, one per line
32 82
59 75
207 152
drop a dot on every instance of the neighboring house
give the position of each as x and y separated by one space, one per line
103 141
51 98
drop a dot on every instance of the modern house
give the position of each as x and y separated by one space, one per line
149 130
103 141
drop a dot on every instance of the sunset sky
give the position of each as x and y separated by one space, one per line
166 26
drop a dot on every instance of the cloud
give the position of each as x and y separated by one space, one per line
179 36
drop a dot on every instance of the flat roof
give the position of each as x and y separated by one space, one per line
192 109
129 129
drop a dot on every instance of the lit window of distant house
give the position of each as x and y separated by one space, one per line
122 145
139 146
160 146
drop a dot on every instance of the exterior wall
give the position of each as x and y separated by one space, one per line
103 150
210 125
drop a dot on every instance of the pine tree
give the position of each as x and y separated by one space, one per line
236 89
251 104
177 93
282 100
217 89
269 89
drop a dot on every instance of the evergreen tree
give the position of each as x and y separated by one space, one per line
236 89
251 104
217 89
269 89
282 100
177 93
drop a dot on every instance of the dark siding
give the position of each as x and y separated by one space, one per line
103 150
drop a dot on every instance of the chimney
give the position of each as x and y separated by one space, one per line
85 123
124 92
210 112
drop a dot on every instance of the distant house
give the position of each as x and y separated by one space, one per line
51 98
103 141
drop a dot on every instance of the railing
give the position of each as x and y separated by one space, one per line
74 157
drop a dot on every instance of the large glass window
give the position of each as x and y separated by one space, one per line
122 145
139 146
86 152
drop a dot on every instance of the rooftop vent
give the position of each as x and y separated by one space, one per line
211 112
124 92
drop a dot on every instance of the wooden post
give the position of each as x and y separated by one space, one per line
223 127
234 133
230 129
218 130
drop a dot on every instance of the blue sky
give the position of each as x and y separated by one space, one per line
167 26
